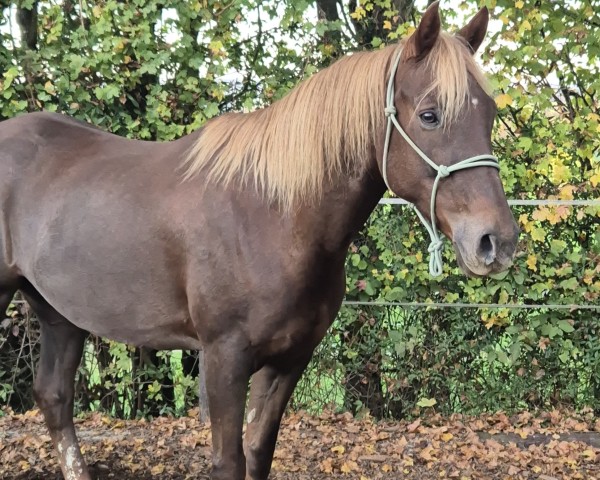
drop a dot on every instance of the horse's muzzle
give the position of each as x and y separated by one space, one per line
486 251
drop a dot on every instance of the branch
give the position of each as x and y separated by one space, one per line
510 130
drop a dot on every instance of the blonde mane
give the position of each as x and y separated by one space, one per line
325 126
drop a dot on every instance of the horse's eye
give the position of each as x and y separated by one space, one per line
429 118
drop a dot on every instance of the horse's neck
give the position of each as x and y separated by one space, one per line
344 208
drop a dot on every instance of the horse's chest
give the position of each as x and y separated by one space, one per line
293 337
299 321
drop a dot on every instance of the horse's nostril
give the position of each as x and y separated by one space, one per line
487 249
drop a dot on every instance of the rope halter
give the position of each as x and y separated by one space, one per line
486 160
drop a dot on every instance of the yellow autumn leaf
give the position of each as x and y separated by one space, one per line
566 192
525 222
532 262
348 467
49 87
216 47
595 179
359 13
97 11
526 25
536 469
338 449
120 46
495 320
387 25
541 214
538 234
559 213
386 468
560 173
589 453
404 272
503 100
446 437
519 4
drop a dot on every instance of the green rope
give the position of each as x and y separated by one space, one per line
436 245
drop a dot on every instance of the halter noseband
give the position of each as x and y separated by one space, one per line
486 160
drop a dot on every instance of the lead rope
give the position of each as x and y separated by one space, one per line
435 247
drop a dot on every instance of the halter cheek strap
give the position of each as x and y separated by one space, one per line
486 160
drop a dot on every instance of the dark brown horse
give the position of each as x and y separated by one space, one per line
243 258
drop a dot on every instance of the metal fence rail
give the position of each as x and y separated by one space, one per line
518 203
525 306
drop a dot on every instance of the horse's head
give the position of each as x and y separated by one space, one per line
437 101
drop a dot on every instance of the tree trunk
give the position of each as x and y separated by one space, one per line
27 18
327 11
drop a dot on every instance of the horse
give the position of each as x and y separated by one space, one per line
233 239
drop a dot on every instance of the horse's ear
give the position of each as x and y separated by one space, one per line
427 32
474 31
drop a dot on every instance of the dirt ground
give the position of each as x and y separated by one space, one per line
547 446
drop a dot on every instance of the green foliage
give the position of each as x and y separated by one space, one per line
18 351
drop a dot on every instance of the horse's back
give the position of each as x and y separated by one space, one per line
51 139
42 146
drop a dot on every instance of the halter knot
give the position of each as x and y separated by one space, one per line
443 171
390 111
435 246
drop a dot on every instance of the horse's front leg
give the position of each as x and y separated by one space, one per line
227 370
269 393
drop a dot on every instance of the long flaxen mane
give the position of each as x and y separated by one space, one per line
325 126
